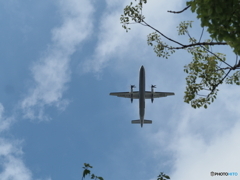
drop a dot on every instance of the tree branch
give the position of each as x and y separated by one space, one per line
201 34
177 12
236 66
162 34
216 56
220 82
198 44
190 45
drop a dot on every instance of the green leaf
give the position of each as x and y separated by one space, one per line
93 176
210 12
86 172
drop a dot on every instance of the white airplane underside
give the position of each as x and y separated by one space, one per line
147 94
142 95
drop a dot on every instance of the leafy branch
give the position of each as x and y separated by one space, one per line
205 73
86 172
163 176
178 12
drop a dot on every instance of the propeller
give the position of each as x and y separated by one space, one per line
132 86
153 86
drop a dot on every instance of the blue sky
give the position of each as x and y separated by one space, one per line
60 60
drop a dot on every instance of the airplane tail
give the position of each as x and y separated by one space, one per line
139 122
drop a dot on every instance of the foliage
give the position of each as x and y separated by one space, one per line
163 176
222 17
203 75
161 48
205 72
86 172
133 12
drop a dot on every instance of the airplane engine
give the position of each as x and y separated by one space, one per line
152 90
132 86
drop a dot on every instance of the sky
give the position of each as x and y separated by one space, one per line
60 59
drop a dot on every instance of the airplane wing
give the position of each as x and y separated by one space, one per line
148 94
126 94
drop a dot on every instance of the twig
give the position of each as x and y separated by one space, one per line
162 34
177 12
201 34
199 44
216 56
220 82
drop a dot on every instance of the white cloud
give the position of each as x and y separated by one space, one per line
11 163
5 123
13 166
10 160
51 73
113 41
202 141
195 159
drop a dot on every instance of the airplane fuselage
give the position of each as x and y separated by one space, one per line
142 95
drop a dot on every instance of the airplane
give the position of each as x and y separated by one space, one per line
142 95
